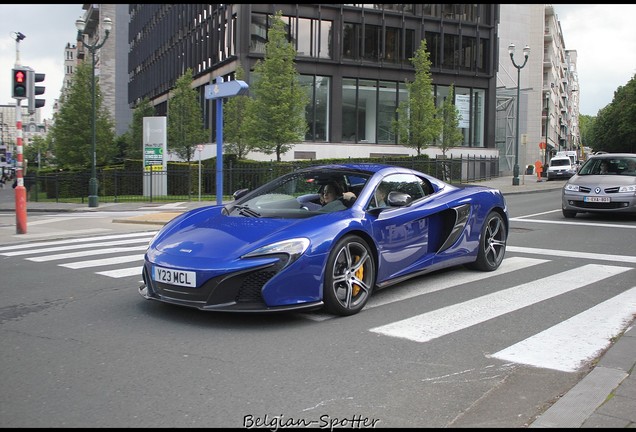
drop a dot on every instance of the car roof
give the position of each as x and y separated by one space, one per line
612 155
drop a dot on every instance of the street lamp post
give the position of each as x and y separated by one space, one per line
547 126
93 199
526 52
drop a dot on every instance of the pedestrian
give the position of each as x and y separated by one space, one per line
538 166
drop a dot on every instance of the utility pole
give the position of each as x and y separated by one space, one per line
19 80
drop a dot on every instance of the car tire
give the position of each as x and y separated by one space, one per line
349 276
569 214
492 243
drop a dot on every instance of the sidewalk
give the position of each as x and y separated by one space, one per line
605 397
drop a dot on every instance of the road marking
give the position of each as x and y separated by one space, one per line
572 254
39 236
132 271
537 214
570 344
87 253
78 240
171 206
440 322
442 281
103 261
434 282
594 224
77 246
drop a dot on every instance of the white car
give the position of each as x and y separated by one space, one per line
561 167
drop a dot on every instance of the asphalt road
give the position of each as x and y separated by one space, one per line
82 349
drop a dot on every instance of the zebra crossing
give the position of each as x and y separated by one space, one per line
565 346
123 245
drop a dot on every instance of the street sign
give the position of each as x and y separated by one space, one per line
542 145
226 89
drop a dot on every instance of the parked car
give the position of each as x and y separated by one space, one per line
561 167
593 190
277 248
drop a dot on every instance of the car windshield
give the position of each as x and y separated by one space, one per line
300 194
560 162
609 166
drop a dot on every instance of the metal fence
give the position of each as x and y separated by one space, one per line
191 183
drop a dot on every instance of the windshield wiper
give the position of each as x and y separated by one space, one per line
244 210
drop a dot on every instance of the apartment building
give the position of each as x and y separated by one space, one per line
548 105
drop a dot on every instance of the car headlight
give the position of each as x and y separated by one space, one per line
294 248
631 188
571 187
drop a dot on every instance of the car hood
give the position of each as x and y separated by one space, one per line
605 180
211 235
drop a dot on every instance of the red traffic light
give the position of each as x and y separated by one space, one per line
19 76
20 84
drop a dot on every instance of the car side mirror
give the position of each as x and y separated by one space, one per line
398 199
239 193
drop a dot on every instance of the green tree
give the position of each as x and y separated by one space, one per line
36 152
185 118
276 118
235 135
451 133
419 121
72 130
586 123
614 129
135 143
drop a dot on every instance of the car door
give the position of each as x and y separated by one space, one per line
406 236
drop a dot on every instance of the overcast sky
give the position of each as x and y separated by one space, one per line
604 37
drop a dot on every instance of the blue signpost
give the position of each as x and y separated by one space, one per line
218 91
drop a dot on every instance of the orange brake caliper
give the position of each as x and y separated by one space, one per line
360 275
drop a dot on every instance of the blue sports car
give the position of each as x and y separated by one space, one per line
323 237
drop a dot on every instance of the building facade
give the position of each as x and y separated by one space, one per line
353 61
32 126
548 105
111 65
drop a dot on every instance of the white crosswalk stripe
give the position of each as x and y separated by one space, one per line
70 241
441 322
104 261
566 345
131 271
87 253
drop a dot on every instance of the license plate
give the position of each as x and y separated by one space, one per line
597 199
175 277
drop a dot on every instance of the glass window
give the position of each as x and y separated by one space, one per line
409 45
433 47
258 33
326 37
451 51
467 58
387 106
462 103
392 45
317 110
350 40
372 38
482 57
366 113
409 184
303 36
479 102
349 109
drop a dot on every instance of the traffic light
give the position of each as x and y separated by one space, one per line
20 84
34 90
